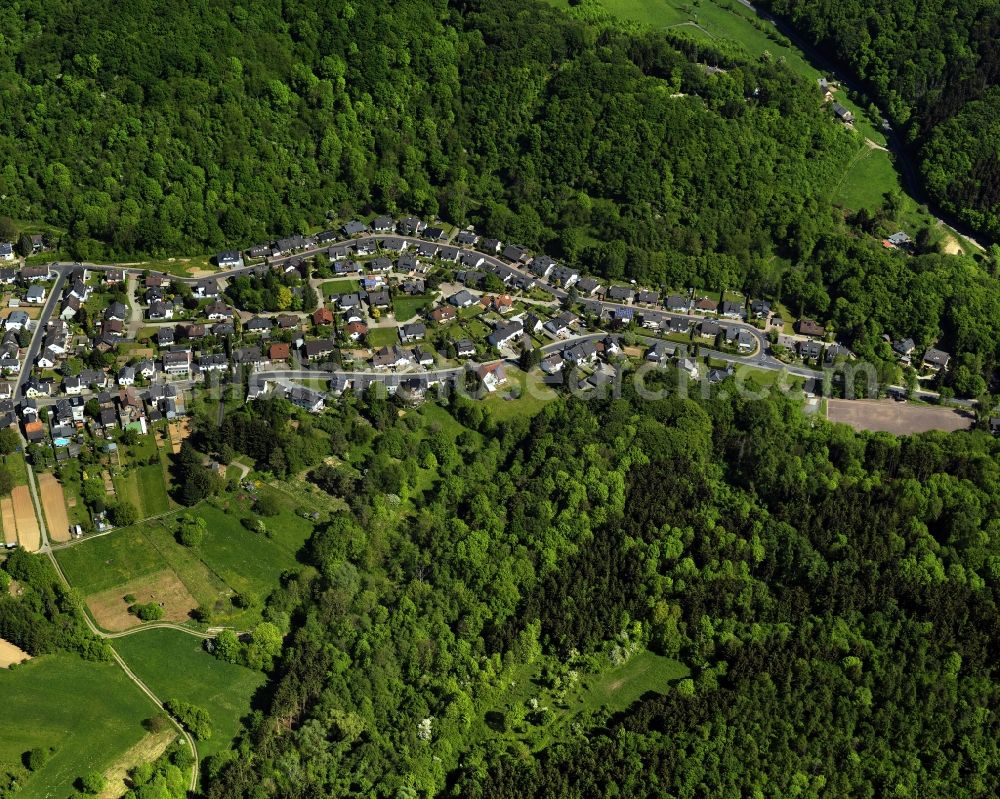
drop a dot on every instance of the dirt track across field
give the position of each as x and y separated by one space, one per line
110 610
11 654
9 525
27 525
54 505
899 418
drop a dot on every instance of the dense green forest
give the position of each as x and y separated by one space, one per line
38 614
833 594
935 67
164 128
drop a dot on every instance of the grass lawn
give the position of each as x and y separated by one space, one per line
175 666
531 400
382 337
91 713
408 307
230 559
345 286
18 468
151 489
869 175
613 689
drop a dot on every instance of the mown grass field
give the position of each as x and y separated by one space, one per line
344 286
382 337
90 713
175 666
230 559
408 307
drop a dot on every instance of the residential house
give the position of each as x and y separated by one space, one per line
423 357
492 375
732 310
660 352
7 251
582 353
394 357
471 259
842 114
259 251
258 325
306 398
810 327
646 297
621 294
935 359
491 246
114 276
383 224
8 276
407 263
322 348
411 226
348 301
165 337
18 320
445 313
462 299
709 329
279 352
322 316
72 385
356 330
248 356
559 326
428 250
553 363
706 305
116 312
221 329
380 264
904 349
379 299
541 265
176 362
761 309
160 311
206 289
230 259
513 253
564 276
465 348
503 303
145 369
214 362
678 325
810 350
392 244
218 311
449 254
505 334
587 286
466 238
32 274
412 332
675 303
35 295
126 376
354 228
